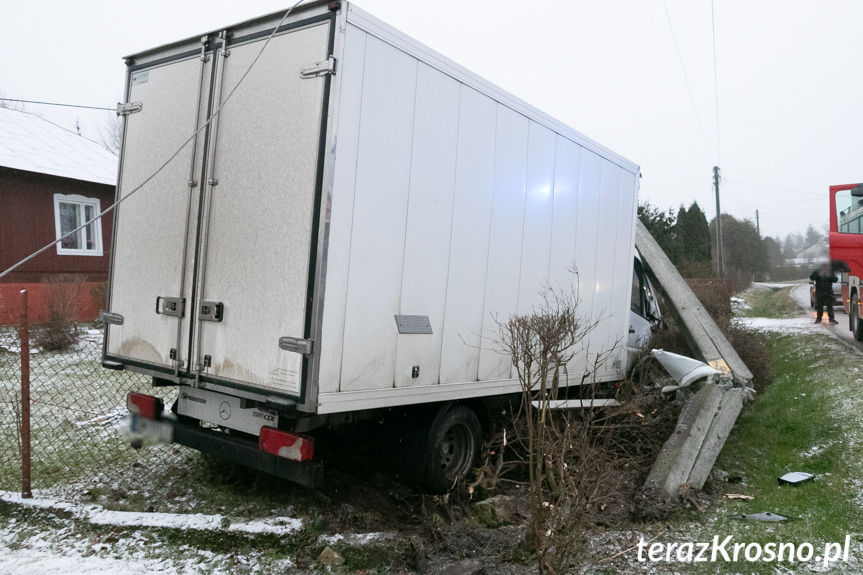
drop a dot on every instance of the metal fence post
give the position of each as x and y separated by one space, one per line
24 336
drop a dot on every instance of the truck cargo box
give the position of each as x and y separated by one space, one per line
343 233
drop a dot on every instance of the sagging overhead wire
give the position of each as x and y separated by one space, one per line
686 79
819 194
171 158
56 104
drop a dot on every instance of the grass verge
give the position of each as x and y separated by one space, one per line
808 420
771 302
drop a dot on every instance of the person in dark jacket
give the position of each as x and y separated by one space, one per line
824 279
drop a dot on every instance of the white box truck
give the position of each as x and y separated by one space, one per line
339 238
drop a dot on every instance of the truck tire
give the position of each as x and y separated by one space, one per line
856 324
453 445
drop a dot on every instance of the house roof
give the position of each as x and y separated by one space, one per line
814 251
27 142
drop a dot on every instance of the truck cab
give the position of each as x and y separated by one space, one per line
846 248
644 314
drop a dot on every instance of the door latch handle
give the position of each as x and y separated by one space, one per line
210 310
173 306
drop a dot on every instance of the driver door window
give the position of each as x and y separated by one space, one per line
849 213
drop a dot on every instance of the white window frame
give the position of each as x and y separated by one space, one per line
97 225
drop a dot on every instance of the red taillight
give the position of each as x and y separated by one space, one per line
144 405
287 445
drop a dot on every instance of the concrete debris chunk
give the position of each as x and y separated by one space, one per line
678 455
330 557
723 421
496 511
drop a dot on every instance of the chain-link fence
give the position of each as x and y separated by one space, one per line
75 409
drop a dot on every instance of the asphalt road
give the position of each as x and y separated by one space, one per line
801 296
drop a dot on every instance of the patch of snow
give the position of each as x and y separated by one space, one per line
353 539
65 551
97 515
803 324
738 304
765 285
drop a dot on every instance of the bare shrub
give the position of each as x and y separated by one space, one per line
715 295
753 347
64 293
581 467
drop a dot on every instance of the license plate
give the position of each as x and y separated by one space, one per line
147 431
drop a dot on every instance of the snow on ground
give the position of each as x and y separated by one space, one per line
67 552
765 285
799 325
97 515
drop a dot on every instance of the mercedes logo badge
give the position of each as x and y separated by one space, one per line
225 410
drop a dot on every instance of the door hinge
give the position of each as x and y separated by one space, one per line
130 108
173 355
321 68
296 344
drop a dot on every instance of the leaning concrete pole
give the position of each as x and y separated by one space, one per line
705 338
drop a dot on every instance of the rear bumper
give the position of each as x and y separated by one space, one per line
246 452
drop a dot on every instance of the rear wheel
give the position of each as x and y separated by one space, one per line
453 444
856 324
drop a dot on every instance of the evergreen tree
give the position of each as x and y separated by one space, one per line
660 224
746 257
693 234
813 237
774 252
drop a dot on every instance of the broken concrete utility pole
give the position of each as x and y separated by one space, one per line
704 336
689 454
708 416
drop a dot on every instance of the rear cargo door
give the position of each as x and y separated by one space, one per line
151 275
259 212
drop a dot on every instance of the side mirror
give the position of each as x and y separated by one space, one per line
840 266
857 191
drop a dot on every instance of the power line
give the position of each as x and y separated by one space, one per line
780 204
715 82
686 79
194 135
57 104
819 194
731 196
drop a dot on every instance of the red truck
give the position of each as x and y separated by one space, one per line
846 248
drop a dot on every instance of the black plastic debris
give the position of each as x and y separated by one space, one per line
763 516
735 479
795 478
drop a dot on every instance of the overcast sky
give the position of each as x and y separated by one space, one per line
790 78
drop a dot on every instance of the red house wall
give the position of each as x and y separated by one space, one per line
27 224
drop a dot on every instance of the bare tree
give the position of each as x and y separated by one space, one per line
110 132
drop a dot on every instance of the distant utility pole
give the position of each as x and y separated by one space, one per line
757 223
720 255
